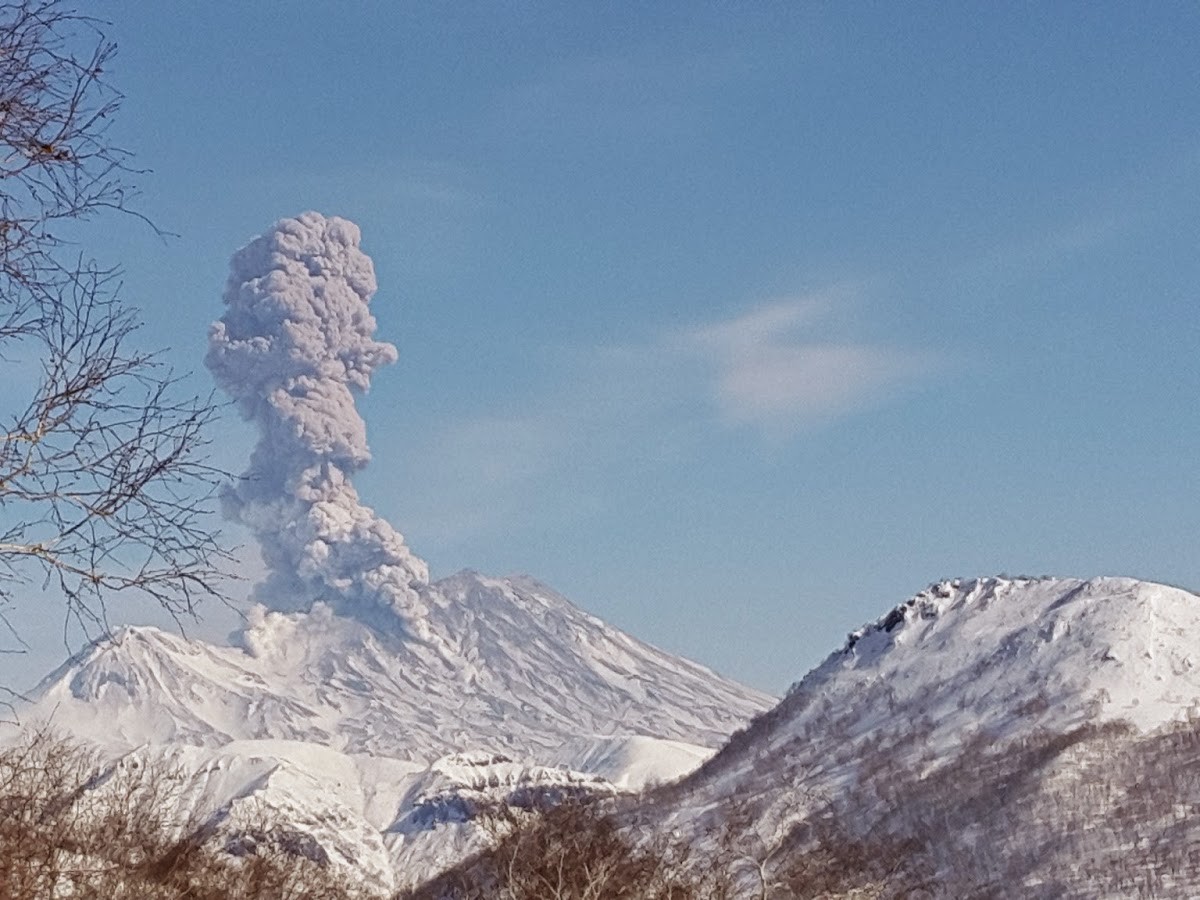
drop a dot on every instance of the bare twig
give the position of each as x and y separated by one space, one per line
104 487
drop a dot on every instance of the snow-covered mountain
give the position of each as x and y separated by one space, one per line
999 737
993 737
364 709
355 734
504 664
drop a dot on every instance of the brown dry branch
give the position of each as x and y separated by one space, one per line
585 849
573 851
74 826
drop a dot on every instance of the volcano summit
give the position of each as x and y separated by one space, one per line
364 705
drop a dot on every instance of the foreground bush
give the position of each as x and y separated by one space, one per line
73 827
573 851
585 850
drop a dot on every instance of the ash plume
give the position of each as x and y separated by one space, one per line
294 344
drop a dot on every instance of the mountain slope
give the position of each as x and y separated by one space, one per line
505 664
354 734
984 738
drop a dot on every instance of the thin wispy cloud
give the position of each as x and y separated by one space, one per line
779 367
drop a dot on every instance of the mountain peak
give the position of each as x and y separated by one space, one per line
999 730
503 664
381 739
1070 649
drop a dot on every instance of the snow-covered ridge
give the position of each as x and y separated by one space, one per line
455 787
508 665
994 658
1107 648
976 718
380 741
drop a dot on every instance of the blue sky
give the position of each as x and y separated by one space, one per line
735 325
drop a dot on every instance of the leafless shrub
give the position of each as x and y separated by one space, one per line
574 851
584 850
73 826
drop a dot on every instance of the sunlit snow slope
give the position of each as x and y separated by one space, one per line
356 734
1012 728
374 720
506 664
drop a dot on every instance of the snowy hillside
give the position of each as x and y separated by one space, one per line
996 731
365 715
506 664
343 730
365 710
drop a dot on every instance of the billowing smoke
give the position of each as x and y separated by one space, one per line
296 340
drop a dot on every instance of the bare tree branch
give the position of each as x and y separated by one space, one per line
104 487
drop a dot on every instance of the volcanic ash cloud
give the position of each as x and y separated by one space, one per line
294 344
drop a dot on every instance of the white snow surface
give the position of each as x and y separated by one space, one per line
507 665
1065 651
377 742
633 762
1004 658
